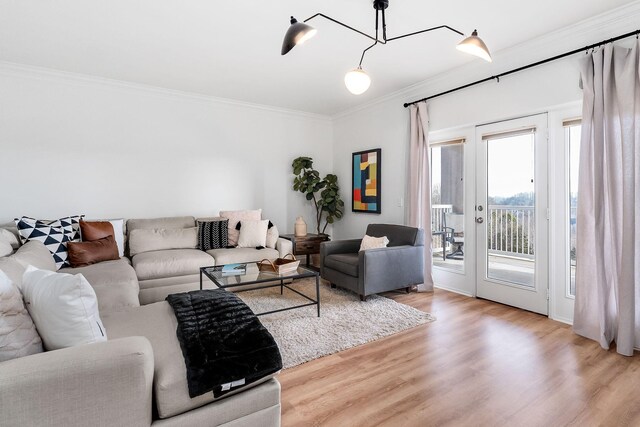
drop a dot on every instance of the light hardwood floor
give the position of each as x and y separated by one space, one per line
479 364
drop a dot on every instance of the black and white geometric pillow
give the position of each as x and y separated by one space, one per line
213 234
53 234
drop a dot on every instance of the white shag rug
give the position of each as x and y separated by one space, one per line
344 320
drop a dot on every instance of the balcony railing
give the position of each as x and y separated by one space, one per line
511 230
437 221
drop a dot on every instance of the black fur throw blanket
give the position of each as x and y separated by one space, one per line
225 347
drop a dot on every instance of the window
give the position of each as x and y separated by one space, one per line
572 137
447 204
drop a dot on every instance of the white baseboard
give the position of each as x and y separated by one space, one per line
455 291
562 320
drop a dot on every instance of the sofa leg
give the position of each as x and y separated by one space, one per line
333 286
363 297
407 289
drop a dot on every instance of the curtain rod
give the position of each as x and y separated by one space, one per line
535 64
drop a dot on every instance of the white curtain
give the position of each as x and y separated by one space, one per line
419 203
607 304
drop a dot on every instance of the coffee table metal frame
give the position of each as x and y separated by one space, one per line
265 280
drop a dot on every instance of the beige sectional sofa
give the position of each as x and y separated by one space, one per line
137 377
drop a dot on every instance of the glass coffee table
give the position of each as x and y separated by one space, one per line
253 279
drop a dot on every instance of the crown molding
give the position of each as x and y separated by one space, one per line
591 30
41 73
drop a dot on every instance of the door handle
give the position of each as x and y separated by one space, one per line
479 220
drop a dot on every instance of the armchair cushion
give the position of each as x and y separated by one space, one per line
351 246
398 235
344 263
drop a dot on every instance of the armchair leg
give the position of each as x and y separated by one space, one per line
363 297
333 286
407 289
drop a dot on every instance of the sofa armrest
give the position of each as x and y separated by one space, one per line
385 269
284 246
107 383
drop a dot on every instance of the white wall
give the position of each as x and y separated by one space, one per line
71 144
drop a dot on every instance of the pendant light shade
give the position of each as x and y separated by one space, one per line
357 81
298 33
475 46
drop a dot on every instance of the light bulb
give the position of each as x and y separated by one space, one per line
357 81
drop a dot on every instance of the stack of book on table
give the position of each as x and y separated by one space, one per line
234 269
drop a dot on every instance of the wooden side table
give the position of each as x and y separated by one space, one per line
306 245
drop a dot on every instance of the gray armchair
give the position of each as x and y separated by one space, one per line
399 265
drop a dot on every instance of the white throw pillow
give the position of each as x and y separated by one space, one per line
64 308
18 335
253 233
235 217
369 242
272 237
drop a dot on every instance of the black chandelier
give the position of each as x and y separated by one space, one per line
357 80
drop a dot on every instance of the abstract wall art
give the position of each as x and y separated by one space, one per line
366 174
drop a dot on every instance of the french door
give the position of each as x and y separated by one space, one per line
511 213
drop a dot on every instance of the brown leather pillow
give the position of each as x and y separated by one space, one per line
94 230
82 254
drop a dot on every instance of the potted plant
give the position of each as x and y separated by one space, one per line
323 192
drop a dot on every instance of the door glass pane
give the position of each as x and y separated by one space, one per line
447 205
510 209
573 133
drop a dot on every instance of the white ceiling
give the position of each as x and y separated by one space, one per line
231 49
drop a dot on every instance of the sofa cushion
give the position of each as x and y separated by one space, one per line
5 248
169 263
151 295
159 239
259 406
114 282
158 324
234 255
344 263
9 233
31 253
169 222
18 335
